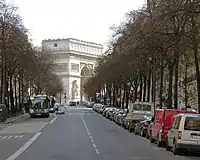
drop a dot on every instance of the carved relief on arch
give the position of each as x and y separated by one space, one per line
82 65
89 66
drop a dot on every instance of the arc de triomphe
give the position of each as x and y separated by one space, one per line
74 63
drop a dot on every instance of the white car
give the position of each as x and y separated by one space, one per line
184 133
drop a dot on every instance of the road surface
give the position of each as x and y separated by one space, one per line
80 134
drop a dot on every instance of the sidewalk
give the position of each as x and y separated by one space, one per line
14 118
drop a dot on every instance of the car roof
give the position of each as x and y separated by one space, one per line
188 115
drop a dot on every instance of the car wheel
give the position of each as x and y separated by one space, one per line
151 139
147 136
166 145
175 149
158 142
142 133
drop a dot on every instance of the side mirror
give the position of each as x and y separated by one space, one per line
169 128
152 119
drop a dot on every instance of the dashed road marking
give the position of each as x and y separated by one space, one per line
81 114
4 137
11 137
24 147
53 119
139 158
89 134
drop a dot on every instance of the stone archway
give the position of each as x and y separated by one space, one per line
86 73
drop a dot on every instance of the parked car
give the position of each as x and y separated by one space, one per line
184 133
97 106
3 112
141 127
138 110
162 121
149 128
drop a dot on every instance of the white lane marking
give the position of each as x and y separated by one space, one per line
53 119
15 137
21 136
140 158
89 134
9 137
4 137
24 147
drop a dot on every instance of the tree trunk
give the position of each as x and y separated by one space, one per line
13 111
127 96
15 88
195 48
145 89
185 85
114 95
170 69
149 87
124 95
2 79
22 91
152 87
110 94
19 92
161 82
176 84
141 87
120 93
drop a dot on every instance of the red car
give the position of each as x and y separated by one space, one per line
163 119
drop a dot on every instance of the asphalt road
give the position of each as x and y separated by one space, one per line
80 134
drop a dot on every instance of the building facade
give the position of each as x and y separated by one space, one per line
74 62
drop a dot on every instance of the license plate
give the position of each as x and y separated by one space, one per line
38 114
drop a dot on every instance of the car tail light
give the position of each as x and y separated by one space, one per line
179 134
145 124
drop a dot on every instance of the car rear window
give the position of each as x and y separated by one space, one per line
137 107
192 124
146 108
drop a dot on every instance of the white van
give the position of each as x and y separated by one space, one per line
184 133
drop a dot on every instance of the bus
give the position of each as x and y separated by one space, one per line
40 106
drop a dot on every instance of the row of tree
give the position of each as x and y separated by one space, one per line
24 69
154 54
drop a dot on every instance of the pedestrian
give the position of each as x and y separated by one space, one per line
52 102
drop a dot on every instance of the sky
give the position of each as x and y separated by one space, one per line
88 20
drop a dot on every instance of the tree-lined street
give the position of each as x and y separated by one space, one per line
80 135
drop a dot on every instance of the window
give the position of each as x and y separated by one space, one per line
176 122
192 124
55 45
146 107
137 107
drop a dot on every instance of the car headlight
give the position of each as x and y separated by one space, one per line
31 110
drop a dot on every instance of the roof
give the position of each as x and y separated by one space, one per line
188 115
73 39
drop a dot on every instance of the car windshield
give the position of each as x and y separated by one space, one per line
192 124
137 107
42 104
146 107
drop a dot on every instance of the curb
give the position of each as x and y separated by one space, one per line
15 119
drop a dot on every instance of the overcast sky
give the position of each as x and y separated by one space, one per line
88 20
